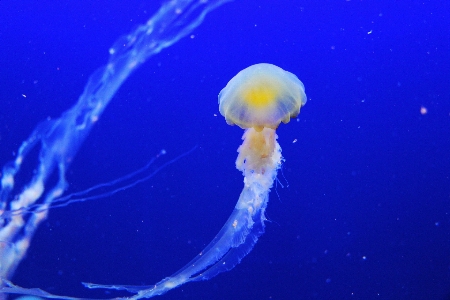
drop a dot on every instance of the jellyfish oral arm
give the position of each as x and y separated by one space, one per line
259 159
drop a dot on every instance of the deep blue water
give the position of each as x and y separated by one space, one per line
365 208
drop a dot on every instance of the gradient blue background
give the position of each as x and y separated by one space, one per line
369 175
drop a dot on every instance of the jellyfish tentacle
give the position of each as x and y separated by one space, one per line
61 138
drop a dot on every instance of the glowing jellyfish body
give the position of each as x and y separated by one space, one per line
257 99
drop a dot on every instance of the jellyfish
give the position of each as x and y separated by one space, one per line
257 99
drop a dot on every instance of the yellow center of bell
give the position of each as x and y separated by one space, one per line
260 96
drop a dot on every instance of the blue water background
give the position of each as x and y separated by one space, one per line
361 210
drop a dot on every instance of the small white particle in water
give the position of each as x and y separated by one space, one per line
423 110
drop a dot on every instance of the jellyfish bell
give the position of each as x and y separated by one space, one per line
262 95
